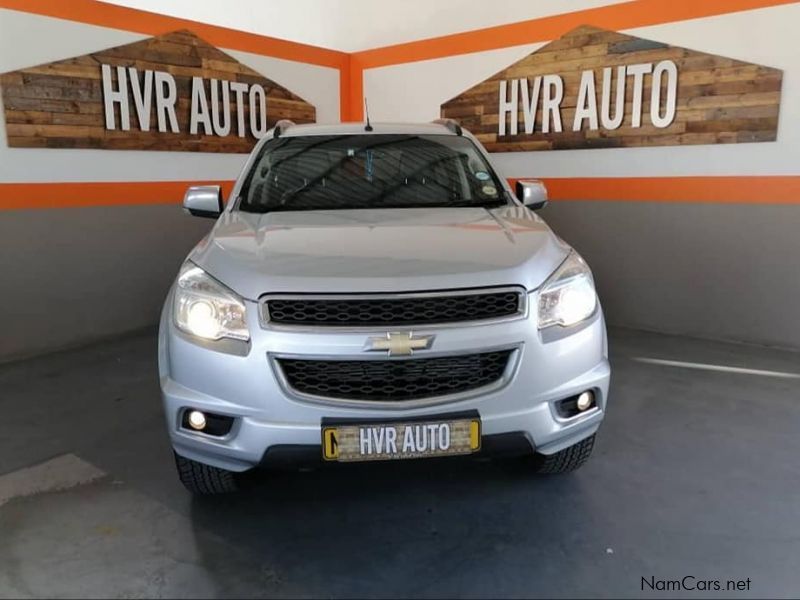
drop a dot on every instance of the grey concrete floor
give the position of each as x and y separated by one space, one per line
696 472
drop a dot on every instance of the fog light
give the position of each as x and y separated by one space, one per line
207 423
197 420
585 400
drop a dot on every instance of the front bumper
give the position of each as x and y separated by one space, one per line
242 384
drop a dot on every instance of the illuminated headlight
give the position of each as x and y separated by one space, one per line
568 296
206 308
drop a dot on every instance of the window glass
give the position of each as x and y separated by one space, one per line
369 171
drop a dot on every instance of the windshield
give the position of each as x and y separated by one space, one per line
369 171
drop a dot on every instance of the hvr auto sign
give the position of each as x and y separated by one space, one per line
158 89
172 92
549 89
593 88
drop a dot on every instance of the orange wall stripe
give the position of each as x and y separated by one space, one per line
355 91
763 190
626 15
116 193
345 96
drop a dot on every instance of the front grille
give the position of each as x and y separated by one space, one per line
394 311
394 380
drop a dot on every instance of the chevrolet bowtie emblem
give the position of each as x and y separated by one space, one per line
399 344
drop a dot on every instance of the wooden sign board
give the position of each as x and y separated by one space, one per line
594 88
170 92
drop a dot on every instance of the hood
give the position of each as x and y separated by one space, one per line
379 250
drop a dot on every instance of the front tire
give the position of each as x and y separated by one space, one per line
204 480
565 460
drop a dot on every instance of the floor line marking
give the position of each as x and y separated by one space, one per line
720 368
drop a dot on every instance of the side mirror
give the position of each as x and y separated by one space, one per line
204 201
532 193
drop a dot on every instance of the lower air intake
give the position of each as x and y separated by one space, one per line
395 380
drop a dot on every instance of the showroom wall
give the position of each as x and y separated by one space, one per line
92 238
691 239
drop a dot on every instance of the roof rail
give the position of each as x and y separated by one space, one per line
451 124
281 126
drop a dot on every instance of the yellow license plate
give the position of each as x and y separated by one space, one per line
399 441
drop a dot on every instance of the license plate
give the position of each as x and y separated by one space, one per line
399 441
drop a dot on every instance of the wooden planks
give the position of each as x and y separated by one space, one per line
60 105
719 100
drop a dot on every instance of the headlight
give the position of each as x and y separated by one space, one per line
206 308
568 296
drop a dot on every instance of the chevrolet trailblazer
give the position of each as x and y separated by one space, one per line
378 293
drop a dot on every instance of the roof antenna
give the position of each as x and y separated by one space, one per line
366 111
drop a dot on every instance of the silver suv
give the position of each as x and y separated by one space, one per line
375 293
